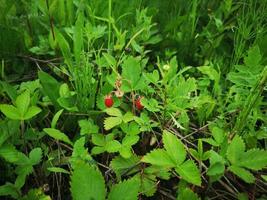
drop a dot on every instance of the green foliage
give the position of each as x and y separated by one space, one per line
187 81
174 156
87 183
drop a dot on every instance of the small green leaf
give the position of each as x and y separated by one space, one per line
216 169
158 157
187 194
111 122
189 172
235 149
23 102
10 111
113 146
129 187
55 118
58 135
32 111
242 173
130 140
35 156
115 112
98 139
174 147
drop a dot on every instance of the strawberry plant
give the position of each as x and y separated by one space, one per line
133 99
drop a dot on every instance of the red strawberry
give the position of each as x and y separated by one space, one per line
109 101
138 103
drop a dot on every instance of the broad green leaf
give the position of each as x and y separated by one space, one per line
32 111
58 135
128 117
187 194
55 118
189 172
111 122
23 102
10 111
131 71
235 149
23 171
12 155
87 183
242 173
124 165
9 189
130 140
254 159
57 170
254 57
115 112
64 47
113 146
218 134
50 86
110 59
35 156
80 154
98 139
87 127
129 187
126 152
216 169
158 157
174 147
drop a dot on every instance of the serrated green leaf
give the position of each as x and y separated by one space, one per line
87 127
111 122
35 156
158 157
115 112
87 183
242 173
218 134
131 71
254 159
98 139
235 149
32 111
124 165
58 135
187 194
216 169
174 147
189 172
23 102
113 146
10 111
128 117
129 187
130 140
9 189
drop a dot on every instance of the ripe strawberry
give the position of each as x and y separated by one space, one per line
109 101
138 103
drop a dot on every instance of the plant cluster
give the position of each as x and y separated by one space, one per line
133 99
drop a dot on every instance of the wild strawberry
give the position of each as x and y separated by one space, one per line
138 103
109 101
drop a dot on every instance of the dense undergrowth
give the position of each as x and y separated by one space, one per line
133 99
